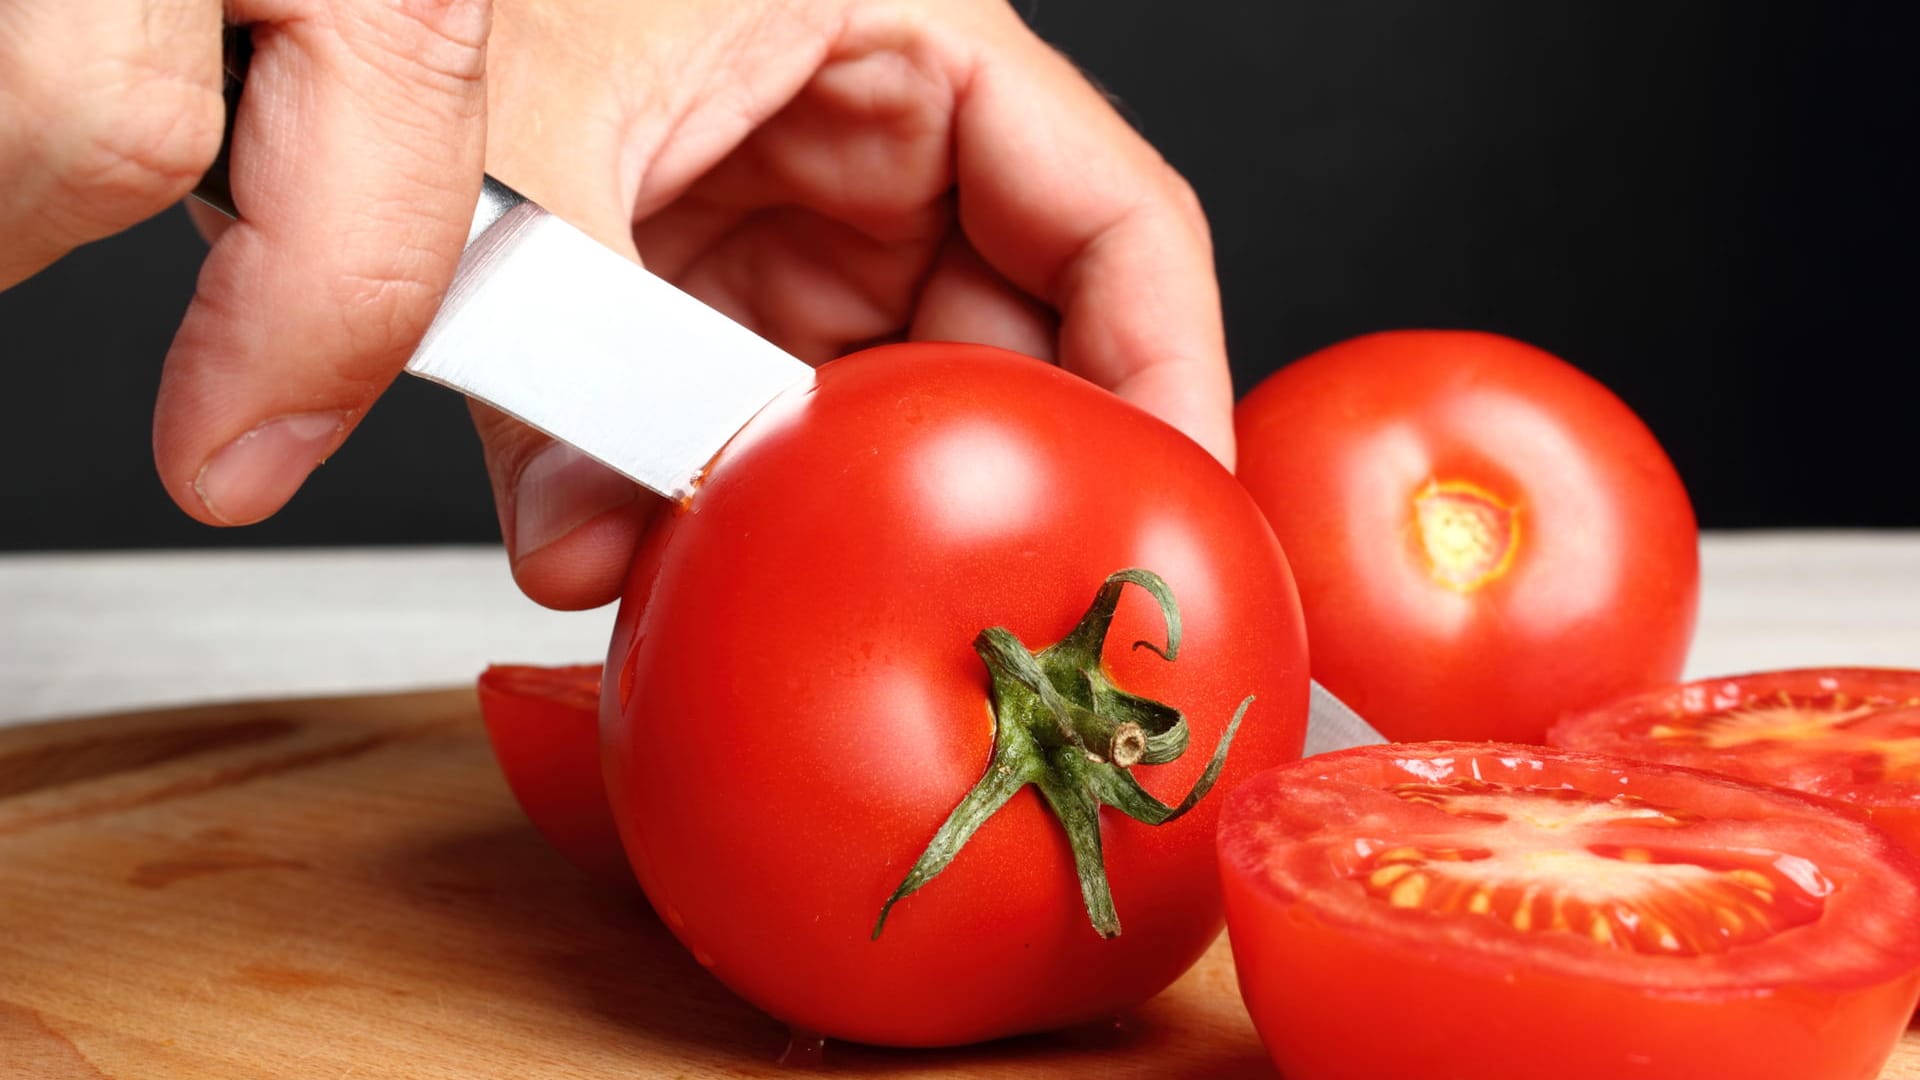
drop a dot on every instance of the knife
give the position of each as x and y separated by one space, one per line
566 335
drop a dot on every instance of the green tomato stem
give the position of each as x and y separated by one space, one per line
1062 725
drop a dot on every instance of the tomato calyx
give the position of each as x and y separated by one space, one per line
1062 725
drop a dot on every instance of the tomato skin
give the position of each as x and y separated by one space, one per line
543 725
1470 1003
798 706
1445 1025
1598 595
1625 727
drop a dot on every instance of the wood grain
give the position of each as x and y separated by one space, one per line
343 887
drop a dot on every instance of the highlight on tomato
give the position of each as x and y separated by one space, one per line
1849 735
1505 912
543 723
916 705
1484 537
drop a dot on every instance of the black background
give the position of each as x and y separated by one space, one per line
1706 205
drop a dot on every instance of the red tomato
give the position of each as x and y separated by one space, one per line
1501 912
1848 735
1484 537
800 705
543 724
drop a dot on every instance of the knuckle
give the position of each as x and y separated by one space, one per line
1185 202
439 43
137 144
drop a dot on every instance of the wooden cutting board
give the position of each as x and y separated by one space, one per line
344 888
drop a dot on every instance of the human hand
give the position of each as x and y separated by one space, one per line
356 163
835 173
356 168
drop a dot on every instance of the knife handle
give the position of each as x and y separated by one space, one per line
236 50
216 189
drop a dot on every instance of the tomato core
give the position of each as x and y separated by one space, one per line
1534 859
1469 535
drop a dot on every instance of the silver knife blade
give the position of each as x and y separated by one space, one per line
1332 725
548 325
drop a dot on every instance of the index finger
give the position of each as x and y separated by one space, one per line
1062 197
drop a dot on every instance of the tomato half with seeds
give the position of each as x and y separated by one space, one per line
1850 735
1521 912
1485 537
543 723
916 704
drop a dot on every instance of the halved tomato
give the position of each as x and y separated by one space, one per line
1500 912
1851 735
544 723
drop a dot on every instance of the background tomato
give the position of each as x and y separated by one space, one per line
1484 537
1501 912
543 723
799 706
1848 735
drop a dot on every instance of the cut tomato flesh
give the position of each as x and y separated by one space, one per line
1539 860
1848 735
1611 918
1848 739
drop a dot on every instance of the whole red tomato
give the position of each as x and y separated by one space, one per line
801 723
1455 911
1484 537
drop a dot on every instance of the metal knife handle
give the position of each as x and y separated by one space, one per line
216 189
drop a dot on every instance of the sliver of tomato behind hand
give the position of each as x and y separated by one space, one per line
1484 537
543 723
797 703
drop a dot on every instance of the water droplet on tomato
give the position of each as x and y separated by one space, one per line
805 1050
703 958
675 919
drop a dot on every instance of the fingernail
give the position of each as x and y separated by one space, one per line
560 490
255 474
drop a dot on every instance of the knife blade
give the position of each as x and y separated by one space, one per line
550 326
1333 725
546 324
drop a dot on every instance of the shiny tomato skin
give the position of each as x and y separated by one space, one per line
798 706
543 725
1868 762
1591 595
1472 999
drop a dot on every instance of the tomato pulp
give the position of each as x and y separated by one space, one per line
1503 912
543 724
1849 735
796 705
1484 537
